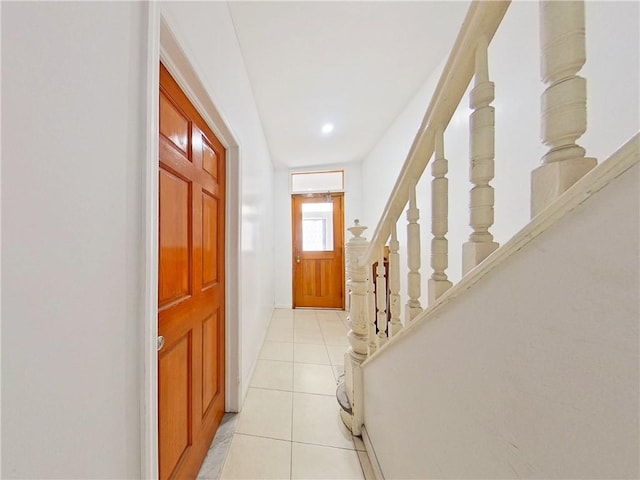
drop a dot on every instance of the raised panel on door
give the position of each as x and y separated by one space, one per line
174 238
307 278
174 390
191 283
327 272
210 377
173 124
209 160
209 240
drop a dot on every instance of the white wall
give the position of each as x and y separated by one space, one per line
206 33
381 166
613 79
73 149
73 155
531 373
283 227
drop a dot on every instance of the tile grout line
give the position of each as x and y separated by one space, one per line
254 435
293 353
326 348
327 446
355 448
293 392
293 386
293 399
292 402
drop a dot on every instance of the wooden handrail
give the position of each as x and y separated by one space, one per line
482 21
627 156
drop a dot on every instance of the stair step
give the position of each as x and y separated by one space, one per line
341 396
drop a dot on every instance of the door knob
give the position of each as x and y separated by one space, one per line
297 256
160 342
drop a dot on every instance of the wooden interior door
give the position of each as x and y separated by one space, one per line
318 250
191 288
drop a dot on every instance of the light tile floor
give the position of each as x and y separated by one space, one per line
290 426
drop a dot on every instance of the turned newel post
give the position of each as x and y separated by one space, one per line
358 282
358 290
481 172
439 283
563 103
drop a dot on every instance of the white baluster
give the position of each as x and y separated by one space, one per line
439 283
395 324
357 283
482 146
372 317
413 258
381 300
564 102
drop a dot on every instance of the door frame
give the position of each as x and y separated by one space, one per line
164 46
339 228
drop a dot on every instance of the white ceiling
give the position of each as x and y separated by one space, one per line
353 64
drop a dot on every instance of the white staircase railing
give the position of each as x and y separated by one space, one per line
374 322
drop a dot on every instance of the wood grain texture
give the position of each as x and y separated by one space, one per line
191 284
210 377
173 124
173 382
209 160
318 278
174 240
209 240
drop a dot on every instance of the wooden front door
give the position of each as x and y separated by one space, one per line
318 251
190 284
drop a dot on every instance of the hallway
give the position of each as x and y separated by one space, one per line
290 427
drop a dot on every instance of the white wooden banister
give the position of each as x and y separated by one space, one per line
358 295
439 283
395 325
482 20
358 336
376 319
371 314
381 301
564 102
413 258
481 171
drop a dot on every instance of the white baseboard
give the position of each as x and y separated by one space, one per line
371 453
288 307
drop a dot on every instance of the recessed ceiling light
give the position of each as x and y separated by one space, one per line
327 128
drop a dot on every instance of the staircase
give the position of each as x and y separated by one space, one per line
527 367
